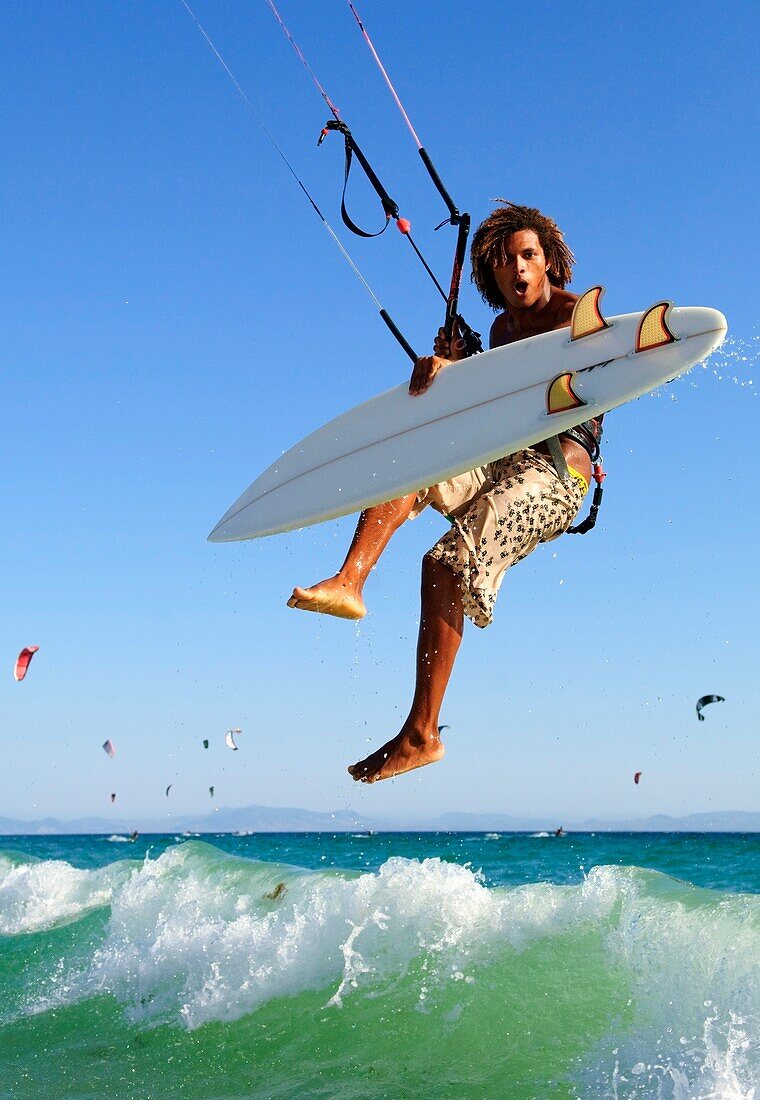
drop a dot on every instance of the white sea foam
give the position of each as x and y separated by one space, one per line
693 967
185 940
42 894
716 1065
197 936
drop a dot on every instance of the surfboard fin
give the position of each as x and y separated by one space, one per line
587 316
654 330
560 396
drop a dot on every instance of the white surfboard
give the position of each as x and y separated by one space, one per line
476 410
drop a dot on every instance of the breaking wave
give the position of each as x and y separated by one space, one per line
631 984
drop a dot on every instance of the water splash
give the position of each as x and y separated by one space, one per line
735 361
630 984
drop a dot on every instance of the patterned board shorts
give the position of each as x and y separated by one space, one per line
499 513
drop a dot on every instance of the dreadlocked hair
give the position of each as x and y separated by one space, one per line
489 248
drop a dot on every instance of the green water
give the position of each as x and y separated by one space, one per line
177 969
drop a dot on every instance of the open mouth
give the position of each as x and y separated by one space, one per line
521 286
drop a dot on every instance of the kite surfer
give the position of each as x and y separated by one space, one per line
499 513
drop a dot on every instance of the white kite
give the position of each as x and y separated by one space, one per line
229 739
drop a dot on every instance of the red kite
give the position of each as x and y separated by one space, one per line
22 661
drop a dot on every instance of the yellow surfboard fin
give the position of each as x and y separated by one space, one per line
560 396
587 316
653 330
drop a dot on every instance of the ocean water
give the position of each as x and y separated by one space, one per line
437 965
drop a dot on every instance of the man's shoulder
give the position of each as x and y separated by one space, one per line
501 330
563 301
561 306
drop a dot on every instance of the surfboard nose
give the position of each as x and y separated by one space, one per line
698 321
717 321
717 318
703 327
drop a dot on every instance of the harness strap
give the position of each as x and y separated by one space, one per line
558 458
560 465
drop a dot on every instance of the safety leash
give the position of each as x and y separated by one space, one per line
588 523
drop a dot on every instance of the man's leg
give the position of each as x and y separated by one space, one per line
341 595
441 625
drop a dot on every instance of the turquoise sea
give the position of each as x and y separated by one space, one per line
397 965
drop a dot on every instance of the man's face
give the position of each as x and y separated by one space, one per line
522 280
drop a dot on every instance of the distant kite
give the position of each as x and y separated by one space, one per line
205 742
211 791
704 701
22 661
229 740
637 777
168 789
113 796
109 748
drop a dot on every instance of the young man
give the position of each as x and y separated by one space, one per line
499 512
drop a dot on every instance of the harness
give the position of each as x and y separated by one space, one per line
588 435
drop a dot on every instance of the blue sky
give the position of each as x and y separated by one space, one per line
175 316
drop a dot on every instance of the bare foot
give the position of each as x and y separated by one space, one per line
403 753
330 597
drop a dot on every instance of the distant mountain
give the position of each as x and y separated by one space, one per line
272 819
728 821
455 822
724 821
258 819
